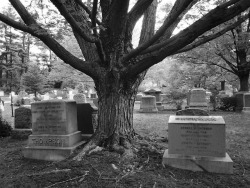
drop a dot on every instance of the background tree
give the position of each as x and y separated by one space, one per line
33 81
109 57
230 53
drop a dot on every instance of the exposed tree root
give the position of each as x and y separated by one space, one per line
113 144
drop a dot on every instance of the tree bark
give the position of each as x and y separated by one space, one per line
244 84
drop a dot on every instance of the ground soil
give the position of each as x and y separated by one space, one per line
105 169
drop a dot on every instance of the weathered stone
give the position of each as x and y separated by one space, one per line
23 118
80 98
197 98
148 104
55 134
197 143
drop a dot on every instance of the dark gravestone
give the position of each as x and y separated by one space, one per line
23 118
239 101
247 100
192 112
86 118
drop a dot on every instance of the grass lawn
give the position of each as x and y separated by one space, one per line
105 169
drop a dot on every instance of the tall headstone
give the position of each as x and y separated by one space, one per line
148 104
23 118
197 98
55 134
22 126
197 143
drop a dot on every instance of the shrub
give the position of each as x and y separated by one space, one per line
227 103
5 128
176 97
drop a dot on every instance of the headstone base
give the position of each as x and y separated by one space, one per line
246 109
52 147
148 110
210 164
21 133
49 154
206 108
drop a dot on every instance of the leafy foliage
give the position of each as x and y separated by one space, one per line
33 81
5 128
227 103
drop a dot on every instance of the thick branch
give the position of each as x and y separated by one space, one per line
25 15
80 25
14 23
179 7
81 4
148 24
160 51
208 38
93 16
134 15
215 17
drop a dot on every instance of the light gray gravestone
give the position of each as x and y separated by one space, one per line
197 143
80 98
54 130
148 104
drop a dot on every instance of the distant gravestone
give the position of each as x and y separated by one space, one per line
138 97
93 95
197 99
197 143
148 104
154 92
86 118
1 93
80 98
23 118
55 134
243 101
22 94
22 125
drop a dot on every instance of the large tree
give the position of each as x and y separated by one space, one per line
111 61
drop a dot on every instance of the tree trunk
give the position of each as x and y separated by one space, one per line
115 120
115 116
244 84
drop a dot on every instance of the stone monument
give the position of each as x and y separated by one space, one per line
54 130
197 143
197 99
148 104
243 101
22 126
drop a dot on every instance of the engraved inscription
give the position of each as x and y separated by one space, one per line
49 118
55 142
197 139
